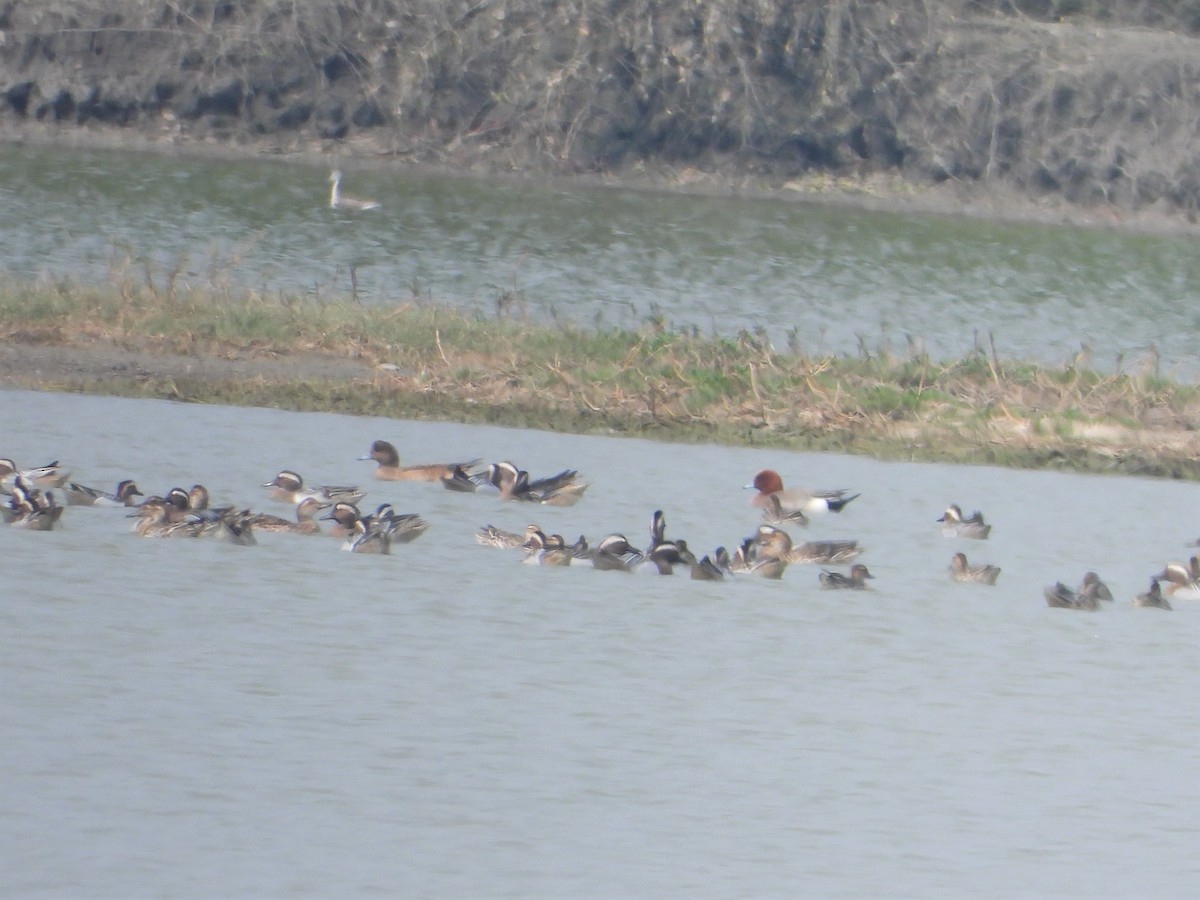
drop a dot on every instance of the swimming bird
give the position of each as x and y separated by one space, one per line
1091 582
546 550
304 523
706 569
31 509
1183 581
563 489
233 527
153 520
855 581
463 479
363 534
1090 593
197 497
669 554
82 495
364 538
774 513
343 516
826 552
43 478
288 487
768 483
192 506
665 554
954 524
1153 598
389 468
764 553
491 536
615 553
337 200
400 527
164 517
1060 596
961 570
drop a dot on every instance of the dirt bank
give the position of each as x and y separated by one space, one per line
968 411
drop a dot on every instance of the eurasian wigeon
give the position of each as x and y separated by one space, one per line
769 484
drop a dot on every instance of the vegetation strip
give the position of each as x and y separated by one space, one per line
426 361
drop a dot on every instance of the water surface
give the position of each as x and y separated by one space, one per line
822 280
190 719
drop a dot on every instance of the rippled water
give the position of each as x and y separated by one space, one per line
185 718
829 280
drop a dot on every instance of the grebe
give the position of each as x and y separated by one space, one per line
337 201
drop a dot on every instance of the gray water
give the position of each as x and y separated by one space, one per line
821 280
192 719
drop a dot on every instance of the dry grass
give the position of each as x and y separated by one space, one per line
434 361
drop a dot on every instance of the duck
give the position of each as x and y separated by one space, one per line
855 581
288 487
337 200
664 554
1087 596
563 489
765 553
463 479
304 523
374 533
491 536
954 524
769 483
774 514
363 534
343 516
825 552
1153 598
364 537
615 553
153 520
192 506
401 528
1060 596
708 569
669 554
82 495
1183 581
43 478
162 517
197 497
546 550
389 468
31 509
234 528
961 570
1091 582
225 523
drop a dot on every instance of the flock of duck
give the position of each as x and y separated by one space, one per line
32 503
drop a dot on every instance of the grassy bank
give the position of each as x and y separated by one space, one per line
421 360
